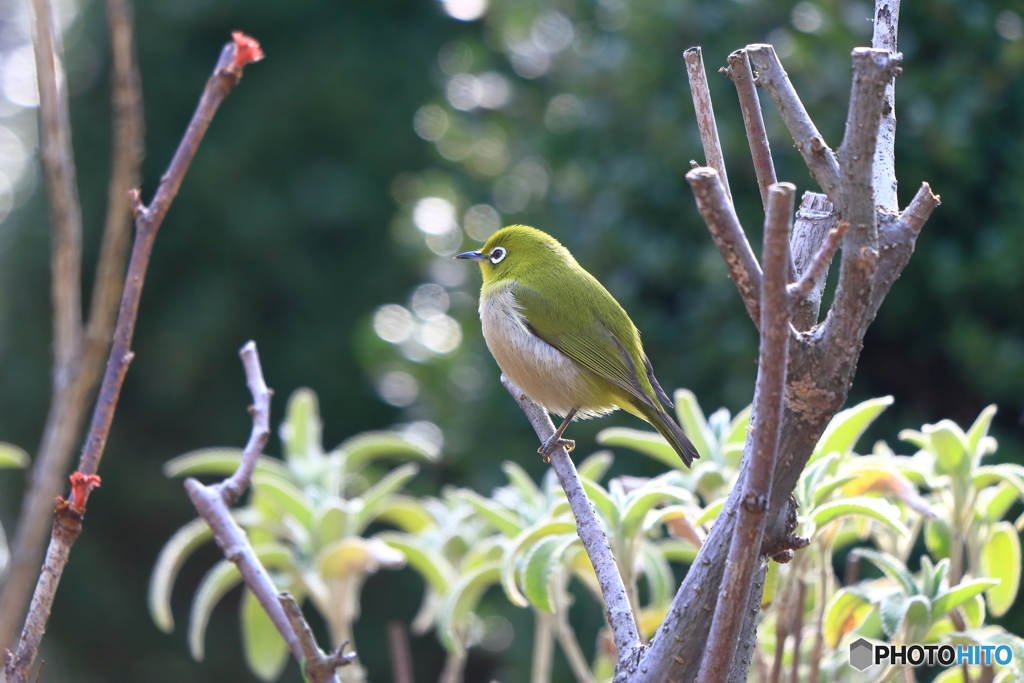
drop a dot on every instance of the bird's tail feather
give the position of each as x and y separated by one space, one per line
673 433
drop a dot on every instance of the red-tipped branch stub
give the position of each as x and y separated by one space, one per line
81 485
247 49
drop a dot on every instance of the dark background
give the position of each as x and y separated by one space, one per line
293 226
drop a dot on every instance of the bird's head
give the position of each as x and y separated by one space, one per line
514 250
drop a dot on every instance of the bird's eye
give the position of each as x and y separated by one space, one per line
498 254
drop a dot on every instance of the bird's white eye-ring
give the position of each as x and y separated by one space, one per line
497 254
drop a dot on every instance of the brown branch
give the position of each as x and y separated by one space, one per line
814 221
820 159
740 73
401 659
887 14
64 423
619 613
319 667
847 320
705 114
720 216
762 443
147 221
814 274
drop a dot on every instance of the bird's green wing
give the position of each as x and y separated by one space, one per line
584 337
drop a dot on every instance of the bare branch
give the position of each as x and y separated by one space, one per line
762 443
720 216
233 58
814 274
319 666
814 221
233 487
401 660
887 17
705 114
619 613
753 122
820 159
126 96
872 70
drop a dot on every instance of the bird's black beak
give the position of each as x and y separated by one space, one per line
472 256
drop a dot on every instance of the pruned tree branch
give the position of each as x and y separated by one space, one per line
619 613
884 38
820 159
762 443
319 667
814 221
742 76
705 114
70 399
67 524
814 274
720 216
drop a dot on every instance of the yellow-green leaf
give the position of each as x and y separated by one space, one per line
266 653
845 612
1000 559
172 556
12 456
847 426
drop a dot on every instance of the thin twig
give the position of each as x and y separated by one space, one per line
887 14
318 666
740 73
816 270
67 407
814 221
705 114
717 210
619 612
763 442
67 525
401 659
820 159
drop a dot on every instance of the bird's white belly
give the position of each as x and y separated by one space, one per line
549 377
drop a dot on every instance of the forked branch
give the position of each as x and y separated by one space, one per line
705 115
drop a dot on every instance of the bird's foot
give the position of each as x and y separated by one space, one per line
553 444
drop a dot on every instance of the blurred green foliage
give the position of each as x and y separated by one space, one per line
295 225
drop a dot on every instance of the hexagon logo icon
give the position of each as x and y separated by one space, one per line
861 652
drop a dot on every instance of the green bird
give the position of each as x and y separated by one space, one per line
558 334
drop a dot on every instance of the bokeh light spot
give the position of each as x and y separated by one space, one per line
441 334
434 216
430 301
481 221
465 10
392 323
398 388
430 122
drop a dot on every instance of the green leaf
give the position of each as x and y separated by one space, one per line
918 617
812 477
844 613
661 582
891 567
406 513
874 508
1010 474
172 556
650 444
357 556
301 433
694 424
527 538
424 557
604 503
461 600
1000 559
285 498
374 497
949 445
710 513
360 450
946 602
974 609
12 456
979 430
596 465
266 653
677 550
823 491
500 517
221 578
892 609
540 563
936 575
637 507
993 502
330 520
847 426
222 461
518 477
738 427
937 537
